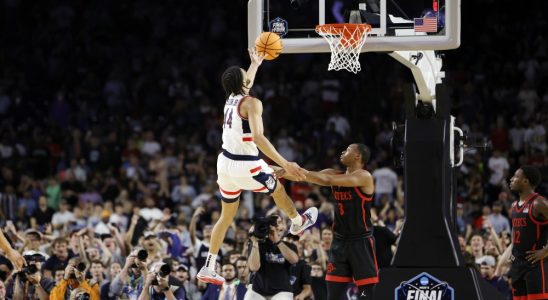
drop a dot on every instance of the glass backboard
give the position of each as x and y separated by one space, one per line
396 24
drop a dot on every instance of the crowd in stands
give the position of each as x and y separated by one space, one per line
110 116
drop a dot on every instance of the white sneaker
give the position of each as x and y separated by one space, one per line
208 276
309 217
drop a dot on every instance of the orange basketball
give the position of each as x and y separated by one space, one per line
269 44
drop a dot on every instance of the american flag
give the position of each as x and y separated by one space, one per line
426 24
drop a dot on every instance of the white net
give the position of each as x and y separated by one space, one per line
346 42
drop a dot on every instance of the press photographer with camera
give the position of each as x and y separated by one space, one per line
271 259
29 281
159 285
75 278
129 283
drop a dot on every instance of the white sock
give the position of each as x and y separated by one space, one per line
298 220
210 261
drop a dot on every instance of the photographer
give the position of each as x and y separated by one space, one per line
159 285
271 259
129 283
29 280
74 278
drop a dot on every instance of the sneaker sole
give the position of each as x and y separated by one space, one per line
210 280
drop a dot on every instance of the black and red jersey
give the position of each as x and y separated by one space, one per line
528 233
352 213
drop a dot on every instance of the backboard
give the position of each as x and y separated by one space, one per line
397 25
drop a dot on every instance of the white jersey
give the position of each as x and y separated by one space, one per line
237 137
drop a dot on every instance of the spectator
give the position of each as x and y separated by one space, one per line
129 283
59 258
26 285
182 274
74 278
319 288
487 264
161 286
386 181
243 270
500 223
498 165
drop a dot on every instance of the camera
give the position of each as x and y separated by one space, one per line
142 255
164 271
262 227
81 267
28 270
83 296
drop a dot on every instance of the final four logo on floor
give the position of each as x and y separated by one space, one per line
424 287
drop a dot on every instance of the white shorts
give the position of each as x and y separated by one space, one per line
235 176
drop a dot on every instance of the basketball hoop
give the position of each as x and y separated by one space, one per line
346 41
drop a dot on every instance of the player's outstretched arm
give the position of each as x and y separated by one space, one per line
358 178
256 61
254 110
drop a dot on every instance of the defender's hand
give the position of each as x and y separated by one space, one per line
295 170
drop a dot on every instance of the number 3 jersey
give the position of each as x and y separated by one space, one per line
237 137
352 213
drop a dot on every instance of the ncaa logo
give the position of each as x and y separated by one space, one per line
424 287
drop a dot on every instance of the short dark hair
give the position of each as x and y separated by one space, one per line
232 80
532 174
365 152
233 265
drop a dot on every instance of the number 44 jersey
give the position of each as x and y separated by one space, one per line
237 137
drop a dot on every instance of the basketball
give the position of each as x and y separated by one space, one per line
269 44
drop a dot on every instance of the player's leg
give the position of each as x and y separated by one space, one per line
519 289
536 283
338 274
229 207
265 182
365 292
336 290
363 262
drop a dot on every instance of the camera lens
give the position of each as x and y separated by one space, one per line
165 270
81 267
142 255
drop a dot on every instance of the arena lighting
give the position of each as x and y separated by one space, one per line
296 4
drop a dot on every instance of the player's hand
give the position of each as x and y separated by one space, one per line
535 256
16 259
255 57
295 170
280 173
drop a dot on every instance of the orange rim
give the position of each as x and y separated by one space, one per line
338 29
350 36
